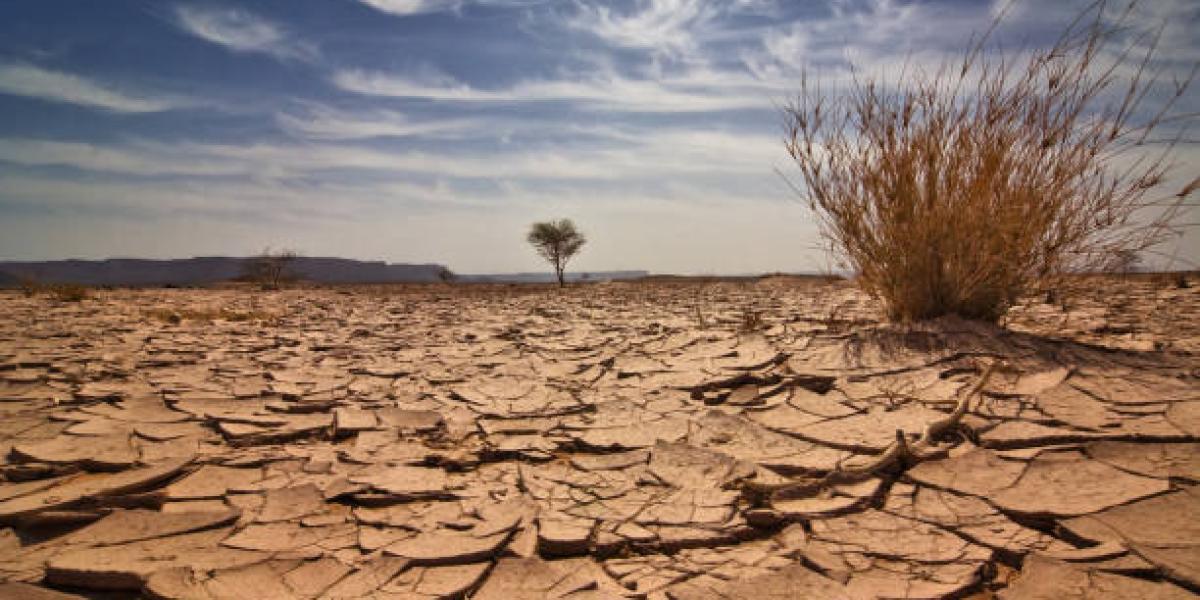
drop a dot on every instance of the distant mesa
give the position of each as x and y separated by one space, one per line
207 270
216 269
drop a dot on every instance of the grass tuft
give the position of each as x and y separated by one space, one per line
958 191
69 292
175 316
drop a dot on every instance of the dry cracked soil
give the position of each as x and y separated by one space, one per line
613 440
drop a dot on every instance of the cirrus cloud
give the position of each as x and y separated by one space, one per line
56 86
241 31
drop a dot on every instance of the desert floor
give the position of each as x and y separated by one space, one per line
648 439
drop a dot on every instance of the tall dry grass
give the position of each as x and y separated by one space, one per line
957 191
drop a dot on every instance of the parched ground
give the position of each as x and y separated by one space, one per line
656 440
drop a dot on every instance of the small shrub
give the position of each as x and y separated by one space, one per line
961 190
69 292
751 321
29 286
269 269
176 316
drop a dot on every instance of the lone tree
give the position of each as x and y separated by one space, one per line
269 268
557 242
960 190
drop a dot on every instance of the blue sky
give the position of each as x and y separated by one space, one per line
437 130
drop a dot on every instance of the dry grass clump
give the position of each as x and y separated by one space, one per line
28 286
68 292
61 292
175 316
751 321
1178 279
959 191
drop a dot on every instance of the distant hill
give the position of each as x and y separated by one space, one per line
549 277
205 270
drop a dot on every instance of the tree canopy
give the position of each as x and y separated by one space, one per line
557 242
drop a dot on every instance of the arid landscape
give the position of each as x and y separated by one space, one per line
600 299
678 439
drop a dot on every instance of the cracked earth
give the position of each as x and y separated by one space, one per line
623 440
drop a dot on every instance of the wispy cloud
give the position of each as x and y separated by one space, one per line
405 8
103 158
412 7
55 86
875 37
691 92
241 31
661 25
666 28
320 122
609 154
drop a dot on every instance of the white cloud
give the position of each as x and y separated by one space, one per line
670 28
56 86
283 161
105 159
154 199
323 123
412 7
692 92
650 157
602 154
877 37
693 149
405 8
241 31
662 25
